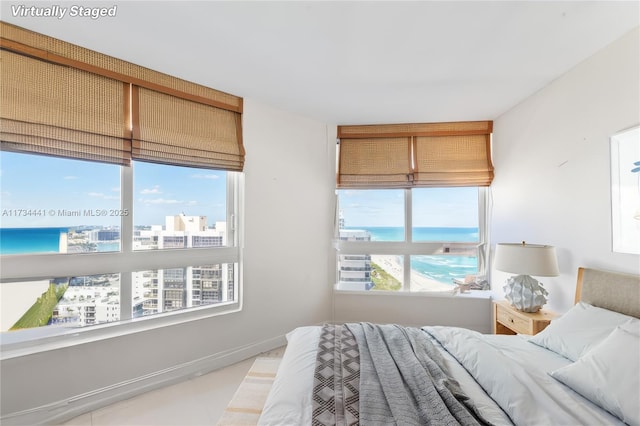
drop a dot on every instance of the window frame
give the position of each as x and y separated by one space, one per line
28 267
408 247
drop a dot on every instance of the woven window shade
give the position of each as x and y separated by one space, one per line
375 162
453 161
179 131
415 155
171 120
60 111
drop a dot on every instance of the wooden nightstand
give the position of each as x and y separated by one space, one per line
509 320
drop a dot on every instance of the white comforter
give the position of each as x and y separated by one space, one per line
514 373
495 371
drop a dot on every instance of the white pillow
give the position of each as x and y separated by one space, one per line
608 375
632 326
578 330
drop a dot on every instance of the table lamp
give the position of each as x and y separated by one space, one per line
522 291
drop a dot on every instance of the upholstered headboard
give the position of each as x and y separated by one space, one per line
615 291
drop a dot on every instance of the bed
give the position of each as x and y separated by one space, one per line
583 369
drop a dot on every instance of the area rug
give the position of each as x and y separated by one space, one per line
247 403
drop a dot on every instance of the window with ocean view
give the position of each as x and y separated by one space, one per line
67 206
181 211
120 193
375 252
412 203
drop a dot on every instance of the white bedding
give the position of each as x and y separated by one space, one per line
289 401
515 374
501 364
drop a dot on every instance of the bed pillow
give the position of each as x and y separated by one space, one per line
578 330
632 326
608 375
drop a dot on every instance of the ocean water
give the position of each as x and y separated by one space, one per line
443 268
391 233
39 240
30 240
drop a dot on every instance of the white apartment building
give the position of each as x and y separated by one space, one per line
181 231
93 303
97 299
355 270
177 288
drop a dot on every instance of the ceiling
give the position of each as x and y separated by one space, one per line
355 62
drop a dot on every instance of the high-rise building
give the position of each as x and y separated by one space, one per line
96 299
355 269
177 288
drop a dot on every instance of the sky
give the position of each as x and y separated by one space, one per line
432 207
35 189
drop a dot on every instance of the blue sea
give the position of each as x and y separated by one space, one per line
30 240
396 233
440 268
39 240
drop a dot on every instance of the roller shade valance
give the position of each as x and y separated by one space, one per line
64 100
415 155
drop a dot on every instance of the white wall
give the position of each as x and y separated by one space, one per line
289 185
552 166
473 312
290 182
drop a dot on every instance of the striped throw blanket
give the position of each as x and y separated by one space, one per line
384 375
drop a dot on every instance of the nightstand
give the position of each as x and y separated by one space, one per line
509 320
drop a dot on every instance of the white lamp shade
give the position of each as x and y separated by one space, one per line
526 259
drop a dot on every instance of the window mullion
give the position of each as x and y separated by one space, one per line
126 240
408 226
126 200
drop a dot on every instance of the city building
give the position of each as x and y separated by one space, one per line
354 270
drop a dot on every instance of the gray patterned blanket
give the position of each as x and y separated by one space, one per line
384 375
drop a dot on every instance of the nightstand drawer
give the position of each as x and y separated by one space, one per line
514 322
509 320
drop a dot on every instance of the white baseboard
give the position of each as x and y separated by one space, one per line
64 410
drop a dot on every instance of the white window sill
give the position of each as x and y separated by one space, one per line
472 294
26 342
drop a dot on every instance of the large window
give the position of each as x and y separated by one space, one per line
412 205
76 240
120 193
442 246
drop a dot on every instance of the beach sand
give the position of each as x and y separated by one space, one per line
418 281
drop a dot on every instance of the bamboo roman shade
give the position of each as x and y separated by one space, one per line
415 155
64 100
180 131
61 111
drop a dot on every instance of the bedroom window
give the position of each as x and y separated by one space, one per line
412 205
375 253
121 195
66 263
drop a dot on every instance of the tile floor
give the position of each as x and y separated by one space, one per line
197 401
